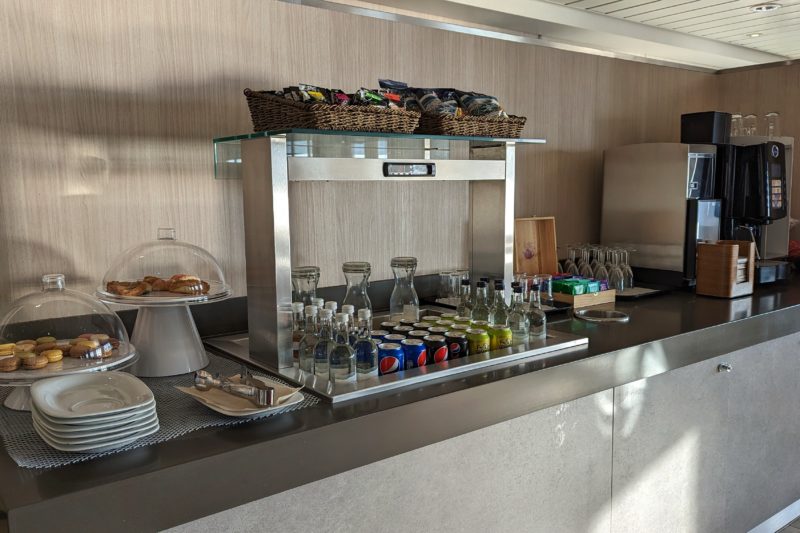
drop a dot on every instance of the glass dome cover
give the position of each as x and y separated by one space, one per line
57 318
165 271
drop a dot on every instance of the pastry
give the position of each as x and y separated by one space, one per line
89 343
45 340
108 350
73 342
26 355
5 347
9 363
53 356
99 337
86 336
114 342
44 347
64 346
85 352
5 353
157 283
24 348
34 362
128 288
185 284
26 341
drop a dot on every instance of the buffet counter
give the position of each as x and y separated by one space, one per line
554 418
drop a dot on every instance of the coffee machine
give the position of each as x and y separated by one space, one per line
658 198
752 182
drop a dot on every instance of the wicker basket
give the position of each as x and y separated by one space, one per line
510 127
270 112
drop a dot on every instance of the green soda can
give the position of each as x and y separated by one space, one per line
460 327
500 337
478 340
448 316
482 324
430 319
463 320
445 324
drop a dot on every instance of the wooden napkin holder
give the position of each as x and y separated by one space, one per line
535 249
726 269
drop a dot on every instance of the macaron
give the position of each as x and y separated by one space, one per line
99 337
45 340
89 343
9 363
21 348
6 347
44 347
35 362
53 355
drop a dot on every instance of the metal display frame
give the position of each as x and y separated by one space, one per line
268 164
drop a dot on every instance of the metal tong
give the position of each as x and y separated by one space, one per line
250 388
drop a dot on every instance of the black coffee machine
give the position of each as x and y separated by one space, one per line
750 182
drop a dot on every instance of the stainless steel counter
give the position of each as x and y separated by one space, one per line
168 484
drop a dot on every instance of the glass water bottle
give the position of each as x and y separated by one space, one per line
365 347
518 318
342 358
356 274
465 300
535 314
404 302
304 284
499 309
481 310
305 349
324 345
298 329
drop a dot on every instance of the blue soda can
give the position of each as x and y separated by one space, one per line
390 358
415 353
379 334
394 337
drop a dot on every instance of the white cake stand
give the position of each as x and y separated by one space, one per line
165 335
21 380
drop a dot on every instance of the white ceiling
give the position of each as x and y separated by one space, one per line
730 21
704 34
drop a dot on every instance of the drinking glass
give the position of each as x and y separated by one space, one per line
750 124
772 125
545 283
627 271
570 266
736 125
616 280
585 269
444 284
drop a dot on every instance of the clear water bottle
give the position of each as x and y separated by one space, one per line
365 347
324 344
319 302
333 306
404 302
304 284
356 274
499 309
350 311
536 316
298 329
465 299
342 358
305 349
518 318
481 310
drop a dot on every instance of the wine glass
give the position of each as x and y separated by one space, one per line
627 271
585 268
616 280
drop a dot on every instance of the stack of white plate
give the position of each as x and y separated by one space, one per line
93 412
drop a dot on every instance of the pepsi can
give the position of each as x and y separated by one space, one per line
418 334
457 344
415 353
437 349
394 337
403 330
389 326
390 358
379 334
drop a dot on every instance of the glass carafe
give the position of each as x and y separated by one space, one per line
404 302
304 284
356 273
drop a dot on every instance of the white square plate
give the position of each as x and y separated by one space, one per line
95 448
101 440
84 424
130 426
89 395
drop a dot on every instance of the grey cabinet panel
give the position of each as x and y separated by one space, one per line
764 432
548 471
669 446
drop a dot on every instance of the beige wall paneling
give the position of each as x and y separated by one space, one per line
108 110
760 91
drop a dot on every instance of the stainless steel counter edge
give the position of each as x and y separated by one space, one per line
212 470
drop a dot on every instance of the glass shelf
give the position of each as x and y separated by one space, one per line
329 144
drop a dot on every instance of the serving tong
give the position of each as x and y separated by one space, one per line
248 387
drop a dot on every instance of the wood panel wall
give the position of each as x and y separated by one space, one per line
760 91
108 108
